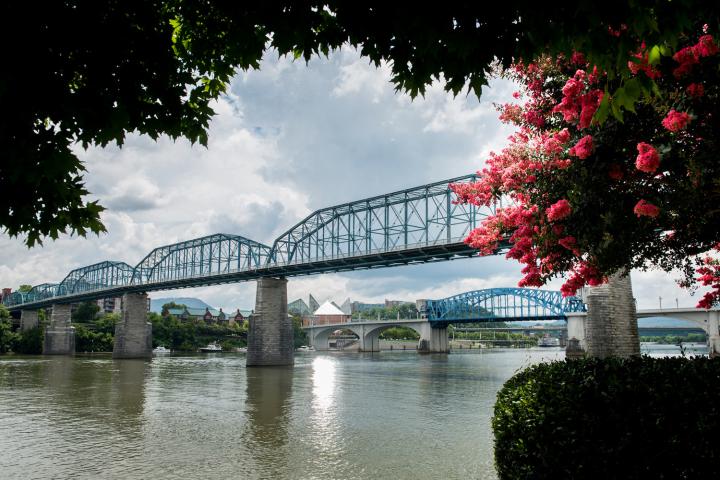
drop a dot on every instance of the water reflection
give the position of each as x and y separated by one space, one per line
269 393
128 389
323 379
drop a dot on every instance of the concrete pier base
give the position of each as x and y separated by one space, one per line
59 335
270 336
433 340
133 334
611 323
28 319
576 345
713 331
369 342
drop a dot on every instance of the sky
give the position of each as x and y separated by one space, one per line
289 139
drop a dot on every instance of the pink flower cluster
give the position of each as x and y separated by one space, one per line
559 210
583 148
583 274
696 90
642 64
646 209
709 276
691 55
648 159
676 121
577 105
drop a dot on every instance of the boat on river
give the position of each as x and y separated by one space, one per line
160 350
548 341
211 348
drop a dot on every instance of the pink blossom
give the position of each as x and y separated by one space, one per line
563 135
583 148
646 209
706 46
578 58
696 90
686 57
648 159
589 104
559 210
676 121
642 64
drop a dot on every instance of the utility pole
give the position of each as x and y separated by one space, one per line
660 298
677 304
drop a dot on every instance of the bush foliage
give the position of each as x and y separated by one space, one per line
613 418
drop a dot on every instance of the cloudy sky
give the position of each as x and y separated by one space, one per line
289 139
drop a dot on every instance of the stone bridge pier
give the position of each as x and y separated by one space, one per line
28 319
270 336
609 328
133 333
59 334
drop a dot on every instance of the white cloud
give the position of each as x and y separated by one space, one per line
286 140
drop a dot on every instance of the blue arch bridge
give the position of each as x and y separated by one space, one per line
479 306
416 225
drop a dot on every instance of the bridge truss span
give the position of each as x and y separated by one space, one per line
422 219
502 304
201 257
95 277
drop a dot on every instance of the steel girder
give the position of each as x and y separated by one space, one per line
95 277
201 257
419 217
503 304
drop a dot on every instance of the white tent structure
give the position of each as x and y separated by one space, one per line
328 314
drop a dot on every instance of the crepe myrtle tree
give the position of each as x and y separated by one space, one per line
88 72
590 188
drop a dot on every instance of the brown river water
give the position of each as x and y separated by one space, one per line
394 415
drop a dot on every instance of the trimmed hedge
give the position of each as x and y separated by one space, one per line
613 418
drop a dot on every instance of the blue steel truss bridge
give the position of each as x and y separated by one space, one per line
416 225
501 305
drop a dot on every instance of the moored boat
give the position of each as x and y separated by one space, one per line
548 341
211 348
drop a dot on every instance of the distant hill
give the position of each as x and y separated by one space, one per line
190 302
664 322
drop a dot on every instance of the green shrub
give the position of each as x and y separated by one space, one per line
637 418
30 342
88 341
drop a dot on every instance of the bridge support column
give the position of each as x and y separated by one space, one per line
713 332
369 342
319 339
576 344
59 335
611 326
28 319
433 340
133 334
270 336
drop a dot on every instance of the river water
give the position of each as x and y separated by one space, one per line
392 415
